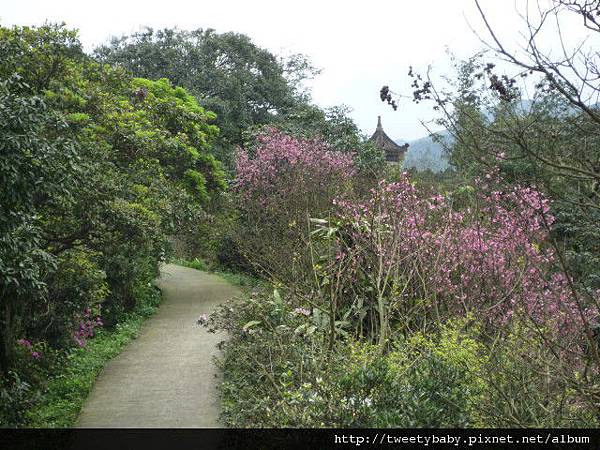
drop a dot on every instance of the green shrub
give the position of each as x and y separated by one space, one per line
78 284
16 397
48 386
279 372
424 382
270 352
195 263
529 385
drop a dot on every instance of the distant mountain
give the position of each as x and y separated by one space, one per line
425 153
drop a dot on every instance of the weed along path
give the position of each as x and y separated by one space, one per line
166 377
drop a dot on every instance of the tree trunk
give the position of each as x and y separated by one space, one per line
6 334
382 324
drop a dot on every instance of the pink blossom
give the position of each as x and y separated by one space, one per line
302 311
25 343
285 163
493 262
202 319
87 325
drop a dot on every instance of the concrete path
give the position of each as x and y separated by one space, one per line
166 377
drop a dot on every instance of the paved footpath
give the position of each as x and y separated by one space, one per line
165 377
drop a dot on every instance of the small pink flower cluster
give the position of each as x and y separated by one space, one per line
202 319
302 311
87 324
29 346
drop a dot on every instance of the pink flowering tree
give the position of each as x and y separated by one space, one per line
280 184
411 260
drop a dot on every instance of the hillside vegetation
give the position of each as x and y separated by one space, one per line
428 153
451 297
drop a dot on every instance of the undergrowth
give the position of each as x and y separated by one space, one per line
68 389
241 279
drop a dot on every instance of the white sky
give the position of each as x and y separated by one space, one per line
359 45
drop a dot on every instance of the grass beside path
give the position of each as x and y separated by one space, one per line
236 278
68 390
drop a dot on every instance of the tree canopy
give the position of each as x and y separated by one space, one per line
98 169
243 84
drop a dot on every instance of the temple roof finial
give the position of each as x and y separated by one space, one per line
393 151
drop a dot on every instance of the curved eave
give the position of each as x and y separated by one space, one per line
382 140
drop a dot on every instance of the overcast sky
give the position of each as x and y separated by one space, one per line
359 45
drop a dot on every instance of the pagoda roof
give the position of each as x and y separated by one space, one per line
393 151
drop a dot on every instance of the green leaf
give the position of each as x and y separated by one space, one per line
251 324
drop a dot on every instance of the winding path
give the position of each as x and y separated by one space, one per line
166 377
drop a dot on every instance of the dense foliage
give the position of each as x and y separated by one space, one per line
97 170
248 87
242 83
102 172
546 142
468 298
407 309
